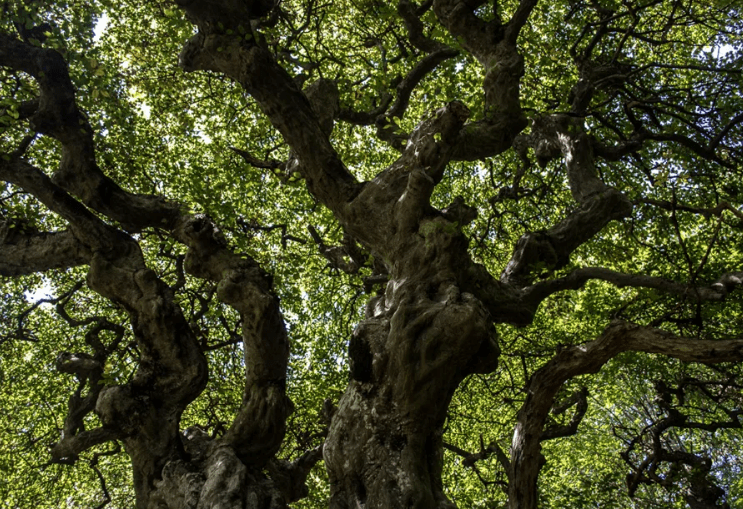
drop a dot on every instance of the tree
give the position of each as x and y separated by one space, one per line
451 304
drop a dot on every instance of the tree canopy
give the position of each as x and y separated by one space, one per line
366 254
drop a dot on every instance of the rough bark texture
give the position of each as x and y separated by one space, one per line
426 334
420 340
431 327
169 470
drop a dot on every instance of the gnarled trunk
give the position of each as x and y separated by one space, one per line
213 476
421 339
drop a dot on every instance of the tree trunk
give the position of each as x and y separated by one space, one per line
214 477
384 446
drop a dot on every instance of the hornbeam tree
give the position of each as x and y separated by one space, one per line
453 253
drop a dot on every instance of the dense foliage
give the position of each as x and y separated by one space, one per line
567 173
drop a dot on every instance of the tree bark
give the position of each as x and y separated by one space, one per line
384 445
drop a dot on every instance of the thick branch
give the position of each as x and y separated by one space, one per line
171 362
478 36
117 266
548 250
414 26
258 429
69 448
145 412
225 14
26 252
495 49
291 477
85 226
487 138
414 77
519 19
284 104
599 204
58 116
526 458
393 204
706 212
576 279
